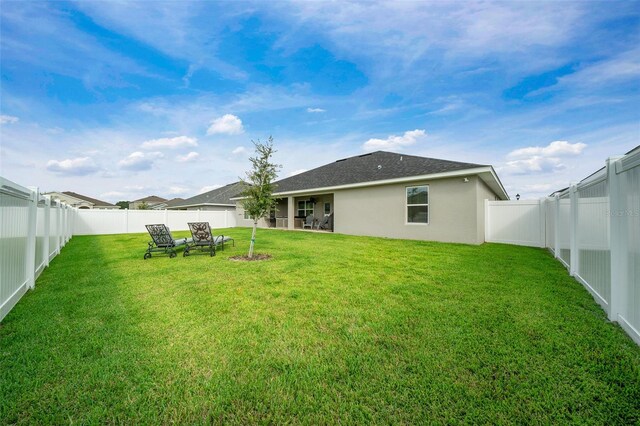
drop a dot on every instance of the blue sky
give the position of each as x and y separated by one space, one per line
119 100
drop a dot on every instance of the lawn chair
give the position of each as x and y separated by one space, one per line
326 223
163 241
203 239
308 222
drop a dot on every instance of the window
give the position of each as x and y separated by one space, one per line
305 208
246 215
418 204
327 208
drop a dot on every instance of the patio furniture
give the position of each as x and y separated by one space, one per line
203 239
308 222
326 223
162 241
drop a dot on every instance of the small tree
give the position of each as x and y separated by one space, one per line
143 206
123 204
258 188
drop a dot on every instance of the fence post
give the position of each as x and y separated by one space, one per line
47 228
199 219
618 241
486 220
166 217
58 225
226 218
63 230
126 221
31 238
573 229
556 228
542 209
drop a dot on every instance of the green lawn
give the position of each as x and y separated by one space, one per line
332 329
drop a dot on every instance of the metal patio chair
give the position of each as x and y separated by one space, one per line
203 239
308 222
162 241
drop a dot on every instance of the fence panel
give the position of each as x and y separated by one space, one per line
550 223
564 225
514 222
627 215
41 240
99 222
592 239
14 232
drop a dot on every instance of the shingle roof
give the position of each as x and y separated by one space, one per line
175 202
94 201
379 165
220 195
151 198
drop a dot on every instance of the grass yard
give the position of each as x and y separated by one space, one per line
332 329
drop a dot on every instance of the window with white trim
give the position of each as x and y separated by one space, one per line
418 204
305 208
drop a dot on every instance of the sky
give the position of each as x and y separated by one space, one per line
121 100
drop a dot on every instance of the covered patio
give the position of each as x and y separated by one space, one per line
298 208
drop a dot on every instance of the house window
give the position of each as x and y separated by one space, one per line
418 204
305 208
246 215
327 208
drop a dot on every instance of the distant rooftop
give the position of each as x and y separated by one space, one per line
219 196
94 201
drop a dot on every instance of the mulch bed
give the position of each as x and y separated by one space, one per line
245 258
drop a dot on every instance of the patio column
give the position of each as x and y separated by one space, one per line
291 213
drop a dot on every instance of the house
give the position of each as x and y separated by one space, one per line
150 202
385 194
218 199
168 204
80 201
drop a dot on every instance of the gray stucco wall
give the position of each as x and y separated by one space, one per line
381 211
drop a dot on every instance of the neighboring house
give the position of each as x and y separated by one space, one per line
218 199
391 195
80 201
168 204
150 201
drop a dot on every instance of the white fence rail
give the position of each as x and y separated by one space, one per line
97 222
33 229
593 228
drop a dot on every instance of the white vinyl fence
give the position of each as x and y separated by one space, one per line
593 229
33 229
97 222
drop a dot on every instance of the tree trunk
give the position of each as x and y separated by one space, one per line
253 238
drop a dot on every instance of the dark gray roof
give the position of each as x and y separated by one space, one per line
220 195
175 202
94 201
379 165
151 199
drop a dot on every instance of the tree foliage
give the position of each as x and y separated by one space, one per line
258 190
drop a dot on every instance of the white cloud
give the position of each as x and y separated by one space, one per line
394 142
554 149
297 172
228 124
240 150
208 188
535 164
80 166
171 143
316 110
541 159
137 161
189 157
178 190
8 119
